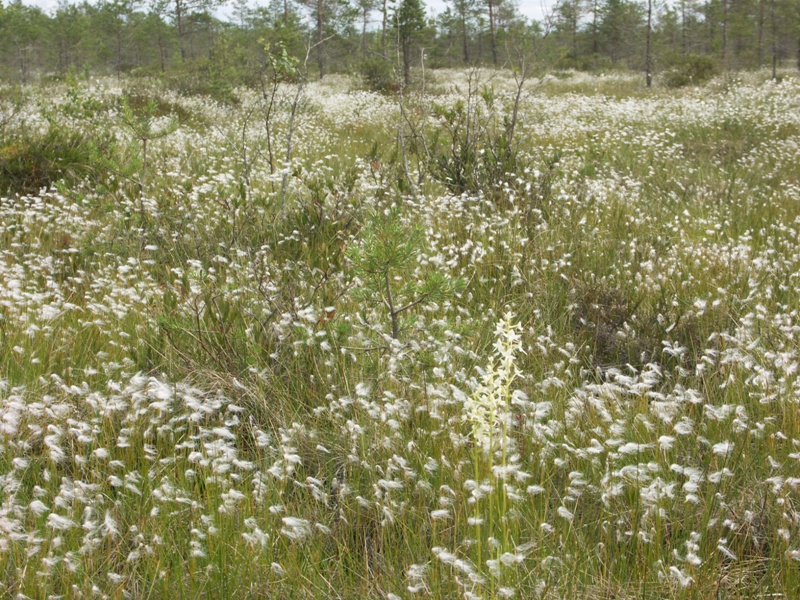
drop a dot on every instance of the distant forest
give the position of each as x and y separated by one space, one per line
384 39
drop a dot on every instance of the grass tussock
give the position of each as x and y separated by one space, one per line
33 163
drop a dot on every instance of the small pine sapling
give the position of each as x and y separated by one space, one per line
386 262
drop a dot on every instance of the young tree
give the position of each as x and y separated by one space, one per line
21 31
365 7
568 16
464 12
648 57
385 261
410 20
142 125
329 17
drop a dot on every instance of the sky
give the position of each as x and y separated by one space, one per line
533 9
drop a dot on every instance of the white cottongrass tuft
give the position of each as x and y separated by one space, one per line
59 523
295 529
38 508
679 576
723 448
564 513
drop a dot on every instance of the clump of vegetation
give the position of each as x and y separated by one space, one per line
32 162
690 69
385 263
619 330
380 75
474 150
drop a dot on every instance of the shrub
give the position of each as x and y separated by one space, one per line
691 69
199 81
474 152
379 75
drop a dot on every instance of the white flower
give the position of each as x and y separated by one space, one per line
38 508
59 523
295 528
682 579
665 442
723 448
109 527
564 513
487 410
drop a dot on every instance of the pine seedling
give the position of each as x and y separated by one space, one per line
143 125
386 262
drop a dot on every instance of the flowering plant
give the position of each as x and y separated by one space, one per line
488 409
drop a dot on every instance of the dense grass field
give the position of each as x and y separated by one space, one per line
322 343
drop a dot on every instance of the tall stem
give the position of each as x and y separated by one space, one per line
289 135
143 177
392 311
476 456
725 35
648 58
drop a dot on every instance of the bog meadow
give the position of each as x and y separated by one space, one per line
521 332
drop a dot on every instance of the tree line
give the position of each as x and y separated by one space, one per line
203 41
734 34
